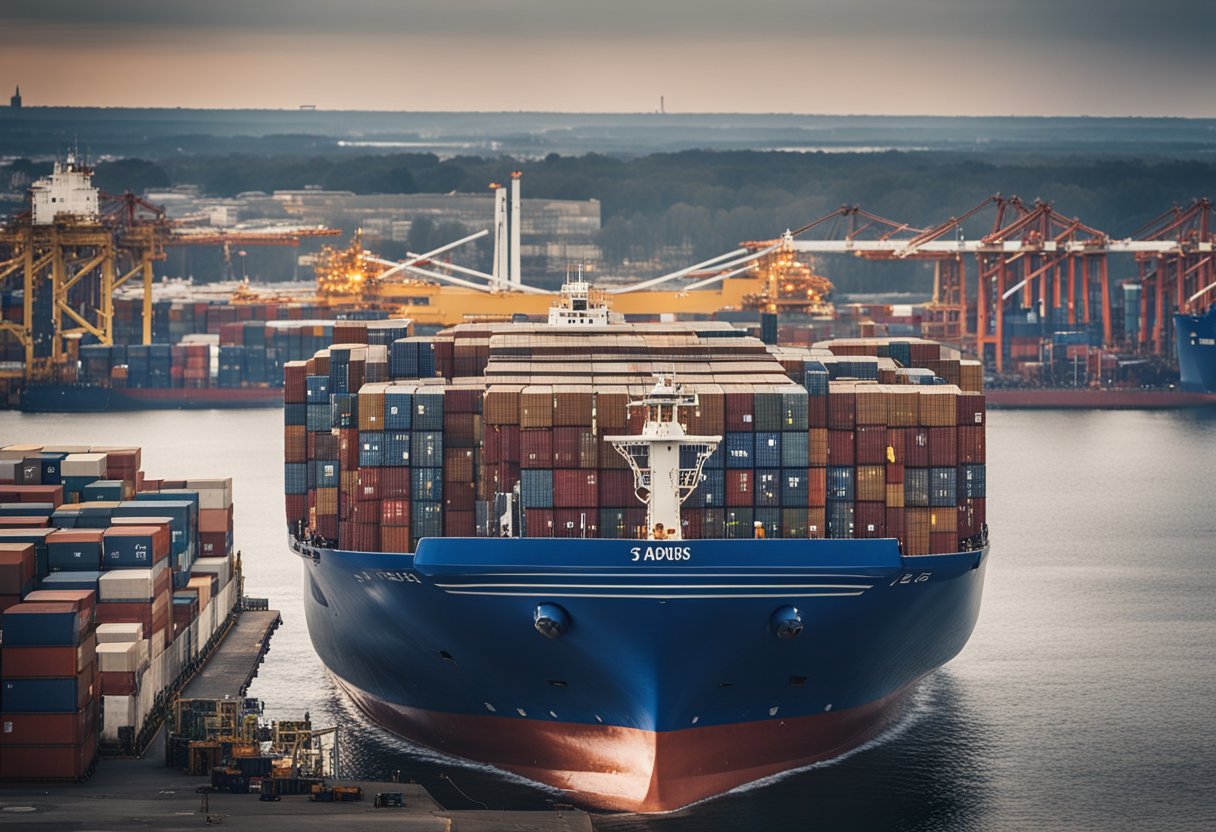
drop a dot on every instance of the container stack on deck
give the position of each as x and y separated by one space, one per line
111 584
884 439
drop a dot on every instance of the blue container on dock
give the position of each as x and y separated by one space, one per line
74 487
740 450
127 552
816 382
102 491
94 516
688 458
27 509
371 449
403 358
428 409
42 696
183 513
770 518
536 487
768 449
43 628
426 449
50 463
397 409
70 580
841 482
344 410
76 555
397 448
426 484
65 517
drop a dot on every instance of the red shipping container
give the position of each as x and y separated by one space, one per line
817 487
295 385
118 683
459 496
366 537
566 447
842 410
327 526
971 446
870 519
48 662
48 762
841 450
971 517
817 411
971 409
895 473
461 400
297 508
459 523
539 522
348 449
943 447
366 511
895 523
740 484
394 513
491 446
213 544
395 483
215 519
575 487
82 600
32 494
459 429
16 567
8 602
24 522
692 523
50 729
536 448
943 542
616 488
368 484
395 539
740 411
870 442
916 447
576 522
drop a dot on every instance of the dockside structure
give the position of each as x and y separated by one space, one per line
112 584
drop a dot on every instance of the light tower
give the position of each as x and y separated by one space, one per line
14 102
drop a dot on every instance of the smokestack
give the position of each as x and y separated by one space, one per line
517 278
500 269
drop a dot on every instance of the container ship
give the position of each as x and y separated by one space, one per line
113 588
641 563
1196 342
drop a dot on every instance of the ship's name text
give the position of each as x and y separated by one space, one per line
657 553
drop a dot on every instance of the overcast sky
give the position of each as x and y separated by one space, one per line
969 57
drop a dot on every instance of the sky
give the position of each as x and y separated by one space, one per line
896 57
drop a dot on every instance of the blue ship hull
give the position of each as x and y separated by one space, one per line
1196 342
670 683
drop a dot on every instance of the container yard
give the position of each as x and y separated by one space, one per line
114 589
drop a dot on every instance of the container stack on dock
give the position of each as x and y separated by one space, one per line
97 564
884 439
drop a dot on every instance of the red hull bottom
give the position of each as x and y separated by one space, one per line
627 769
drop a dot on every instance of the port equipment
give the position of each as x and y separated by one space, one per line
1181 277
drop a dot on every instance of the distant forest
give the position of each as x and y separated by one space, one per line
706 202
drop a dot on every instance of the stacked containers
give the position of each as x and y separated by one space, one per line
49 689
840 458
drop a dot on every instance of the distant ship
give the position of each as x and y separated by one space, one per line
1196 342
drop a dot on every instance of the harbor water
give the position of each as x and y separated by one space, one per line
1082 701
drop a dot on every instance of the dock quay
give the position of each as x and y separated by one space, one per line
141 793
234 664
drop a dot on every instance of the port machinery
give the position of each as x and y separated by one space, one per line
77 246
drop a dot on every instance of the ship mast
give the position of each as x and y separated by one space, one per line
654 456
